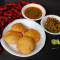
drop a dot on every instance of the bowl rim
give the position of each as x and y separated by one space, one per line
40 6
56 16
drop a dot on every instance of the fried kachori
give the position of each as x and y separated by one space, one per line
19 27
34 34
11 36
25 45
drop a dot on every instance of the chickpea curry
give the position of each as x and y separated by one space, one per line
52 25
33 12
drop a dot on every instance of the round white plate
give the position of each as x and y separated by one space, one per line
30 24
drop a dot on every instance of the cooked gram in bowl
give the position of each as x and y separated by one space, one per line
51 24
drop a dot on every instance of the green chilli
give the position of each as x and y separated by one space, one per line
56 47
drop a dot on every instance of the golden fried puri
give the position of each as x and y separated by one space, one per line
19 27
11 37
34 34
25 45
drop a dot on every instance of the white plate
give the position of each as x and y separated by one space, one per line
30 24
34 5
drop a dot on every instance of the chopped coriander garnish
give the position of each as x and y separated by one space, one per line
46 26
52 22
49 24
54 27
55 31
